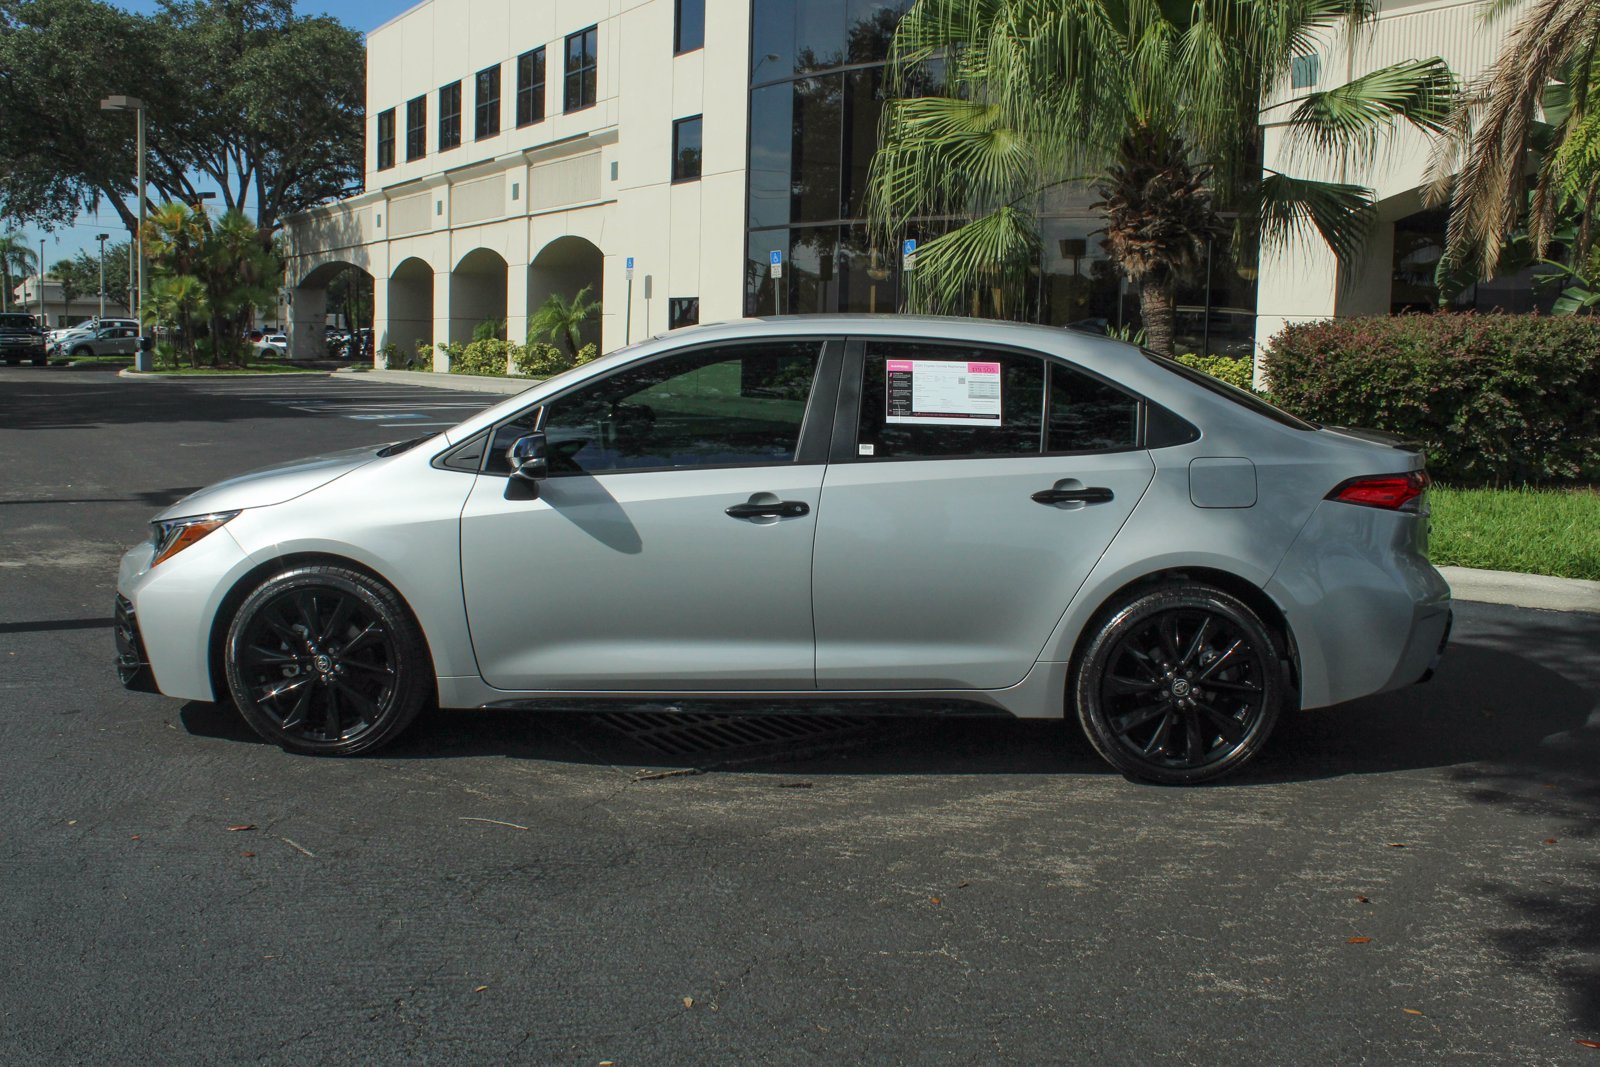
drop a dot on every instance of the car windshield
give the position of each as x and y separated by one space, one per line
1242 397
16 322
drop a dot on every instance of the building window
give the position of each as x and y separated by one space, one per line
690 30
386 139
682 311
1304 71
486 104
579 90
530 87
416 128
686 150
450 116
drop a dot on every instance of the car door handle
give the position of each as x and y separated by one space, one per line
778 509
1094 494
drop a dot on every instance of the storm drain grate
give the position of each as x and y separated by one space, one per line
678 734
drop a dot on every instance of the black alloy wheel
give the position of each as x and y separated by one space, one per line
1181 685
326 661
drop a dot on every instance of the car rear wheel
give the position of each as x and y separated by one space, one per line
82 350
1180 685
323 660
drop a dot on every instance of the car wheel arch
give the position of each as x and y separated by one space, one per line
247 583
1254 597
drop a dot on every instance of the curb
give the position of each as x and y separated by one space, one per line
465 383
157 376
1523 590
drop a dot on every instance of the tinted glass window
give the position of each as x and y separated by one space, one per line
691 26
921 401
386 139
487 106
578 91
416 128
1223 389
1087 415
723 407
686 149
530 87
450 116
683 311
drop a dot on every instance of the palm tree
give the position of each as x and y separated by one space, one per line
1549 63
561 320
16 259
1157 106
177 300
241 272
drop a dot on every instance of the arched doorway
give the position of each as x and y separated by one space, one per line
328 304
477 293
565 267
410 322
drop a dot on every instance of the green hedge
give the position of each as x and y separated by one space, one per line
1496 399
1230 369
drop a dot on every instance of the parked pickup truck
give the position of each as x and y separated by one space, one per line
21 338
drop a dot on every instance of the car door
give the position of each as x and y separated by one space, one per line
970 493
670 546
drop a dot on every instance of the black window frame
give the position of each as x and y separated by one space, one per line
450 116
531 92
416 127
696 25
678 126
586 75
486 106
385 139
847 424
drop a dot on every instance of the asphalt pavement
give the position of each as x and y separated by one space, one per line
1405 879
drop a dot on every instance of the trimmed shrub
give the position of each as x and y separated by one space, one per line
1494 398
1230 369
485 357
586 353
541 360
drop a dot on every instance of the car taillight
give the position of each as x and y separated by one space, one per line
1392 492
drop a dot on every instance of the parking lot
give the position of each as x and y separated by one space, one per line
1409 878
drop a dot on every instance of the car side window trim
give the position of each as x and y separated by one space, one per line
847 419
816 429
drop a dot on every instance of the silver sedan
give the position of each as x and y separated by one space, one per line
1035 522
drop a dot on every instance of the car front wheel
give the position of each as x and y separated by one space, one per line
1181 684
323 660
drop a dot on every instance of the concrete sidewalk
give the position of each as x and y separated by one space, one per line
467 383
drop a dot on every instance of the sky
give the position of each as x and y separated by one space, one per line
67 241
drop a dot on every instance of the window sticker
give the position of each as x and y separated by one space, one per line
942 392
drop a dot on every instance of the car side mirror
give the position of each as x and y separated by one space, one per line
529 458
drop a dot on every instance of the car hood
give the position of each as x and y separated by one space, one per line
272 485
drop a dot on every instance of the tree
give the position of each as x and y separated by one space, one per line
16 261
1549 64
177 301
71 283
560 321
240 94
230 269
1158 106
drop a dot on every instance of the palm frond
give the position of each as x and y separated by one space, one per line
992 251
1340 213
1348 120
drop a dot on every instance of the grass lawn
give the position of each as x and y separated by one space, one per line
253 368
112 361
1534 531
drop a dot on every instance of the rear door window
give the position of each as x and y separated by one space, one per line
927 401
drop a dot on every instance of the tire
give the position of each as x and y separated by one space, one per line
326 661
1180 685
82 350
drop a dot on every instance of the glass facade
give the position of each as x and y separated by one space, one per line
1419 243
816 93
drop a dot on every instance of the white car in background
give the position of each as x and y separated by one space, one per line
273 346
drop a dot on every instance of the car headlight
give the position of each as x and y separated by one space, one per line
171 536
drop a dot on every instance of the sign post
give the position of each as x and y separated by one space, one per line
627 328
776 260
908 263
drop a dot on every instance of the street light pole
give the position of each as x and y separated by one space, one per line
135 105
43 323
101 237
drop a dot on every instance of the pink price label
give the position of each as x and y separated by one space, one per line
897 364
983 368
